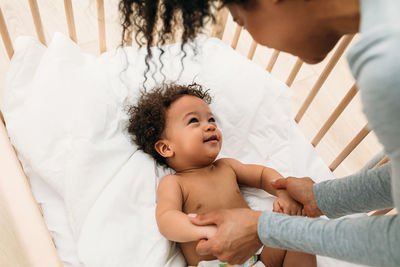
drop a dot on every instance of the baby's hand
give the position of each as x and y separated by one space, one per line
285 204
208 231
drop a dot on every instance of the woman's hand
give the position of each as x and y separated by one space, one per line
236 239
286 204
301 190
208 231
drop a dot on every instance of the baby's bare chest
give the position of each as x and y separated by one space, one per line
217 190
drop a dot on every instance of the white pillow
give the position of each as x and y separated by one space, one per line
66 117
21 72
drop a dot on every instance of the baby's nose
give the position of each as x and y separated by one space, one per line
210 127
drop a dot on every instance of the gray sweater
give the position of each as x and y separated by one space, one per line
375 63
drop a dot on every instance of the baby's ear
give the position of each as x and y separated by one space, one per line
163 148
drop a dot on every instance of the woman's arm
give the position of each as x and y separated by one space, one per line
367 240
172 222
361 192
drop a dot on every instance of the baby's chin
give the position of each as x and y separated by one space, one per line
213 157
209 160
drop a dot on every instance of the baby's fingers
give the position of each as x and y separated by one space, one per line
293 212
281 207
276 206
286 209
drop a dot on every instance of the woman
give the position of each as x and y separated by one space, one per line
310 29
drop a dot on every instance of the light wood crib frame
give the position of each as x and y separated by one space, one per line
24 238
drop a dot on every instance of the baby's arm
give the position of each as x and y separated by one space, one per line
261 177
254 175
172 222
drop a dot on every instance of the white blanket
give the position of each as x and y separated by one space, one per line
66 116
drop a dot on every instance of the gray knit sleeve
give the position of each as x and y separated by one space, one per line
361 192
366 240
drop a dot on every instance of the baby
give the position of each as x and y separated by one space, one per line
174 125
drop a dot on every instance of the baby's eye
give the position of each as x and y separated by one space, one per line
211 119
193 120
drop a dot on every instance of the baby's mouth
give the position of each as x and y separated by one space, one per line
213 138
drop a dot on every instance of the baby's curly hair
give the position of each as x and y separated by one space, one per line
147 117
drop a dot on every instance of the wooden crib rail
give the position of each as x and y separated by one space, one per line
70 23
69 14
236 37
252 50
5 36
272 60
293 73
25 238
324 75
102 25
37 20
335 115
350 147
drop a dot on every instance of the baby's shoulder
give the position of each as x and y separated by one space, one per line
169 179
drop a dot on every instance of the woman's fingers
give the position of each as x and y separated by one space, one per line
279 184
205 219
276 206
206 247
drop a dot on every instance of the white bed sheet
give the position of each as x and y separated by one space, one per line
65 116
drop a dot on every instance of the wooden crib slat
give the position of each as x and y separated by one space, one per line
350 147
6 36
102 25
69 14
382 161
235 39
37 21
252 50
294 72
335 114
324 75
272 60
220 24
381 212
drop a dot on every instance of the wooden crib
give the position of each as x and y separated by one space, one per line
25 240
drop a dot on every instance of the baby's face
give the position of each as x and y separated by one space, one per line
192 132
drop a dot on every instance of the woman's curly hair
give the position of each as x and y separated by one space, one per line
147 117
156 22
